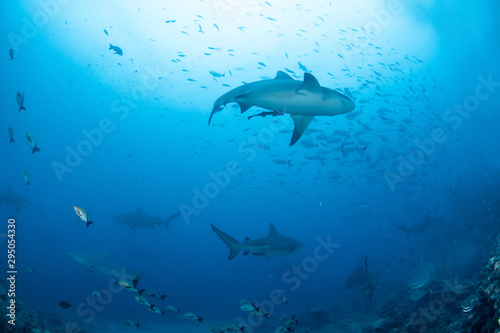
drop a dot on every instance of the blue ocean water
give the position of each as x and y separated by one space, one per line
121 131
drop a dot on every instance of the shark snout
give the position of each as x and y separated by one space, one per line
348 104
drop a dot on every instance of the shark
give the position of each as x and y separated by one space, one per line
422 274
12 199
421 227
138 219
361 279
99 264
274 245
283 95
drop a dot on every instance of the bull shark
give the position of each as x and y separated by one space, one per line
99 264
361 279
137 219
421 227
274 245
12 199
422 274
301 99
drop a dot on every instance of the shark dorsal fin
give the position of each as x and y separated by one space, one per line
310 85
282 76
272 230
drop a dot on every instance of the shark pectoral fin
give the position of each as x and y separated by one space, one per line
244 105
301 124
310 85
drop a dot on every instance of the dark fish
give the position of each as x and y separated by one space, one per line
64 304
215 25
11 134
106 32
170 21
20 100
11 54
116 49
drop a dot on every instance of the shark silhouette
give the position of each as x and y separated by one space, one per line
137 219
12 199
301 99
99 264
361 279
274 245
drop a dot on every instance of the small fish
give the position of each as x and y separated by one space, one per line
106 32
285 300
130 286
20 100
96 294
154 308
215 25
170 21
262 64
129 322
64 304
248 307
82 215
31 141
154 294
30 270
216 74
200 29
283 161
11 134
11 54
191 315
232 328
171 308
143 300
282 329
302 67
117 50
26 177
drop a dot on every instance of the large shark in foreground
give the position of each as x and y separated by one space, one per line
301 99
12 199
99 264
274 245
137 219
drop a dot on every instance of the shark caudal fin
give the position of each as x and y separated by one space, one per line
405 229
234 245
89 223
170 219
301 124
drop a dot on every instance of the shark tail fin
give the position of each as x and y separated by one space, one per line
233 244
11 140
137 325
21 108
89 223
35 149
200 319
163 297
405 229
169 219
